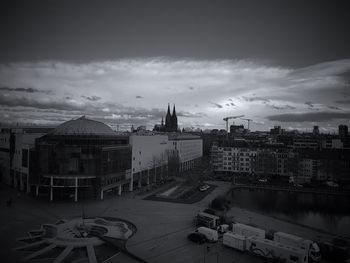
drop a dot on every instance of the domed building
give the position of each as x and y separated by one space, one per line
80 158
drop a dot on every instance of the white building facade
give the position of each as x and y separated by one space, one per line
189 149
149 158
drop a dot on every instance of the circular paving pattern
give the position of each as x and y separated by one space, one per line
77 240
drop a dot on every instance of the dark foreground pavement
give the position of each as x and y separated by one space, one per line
162 227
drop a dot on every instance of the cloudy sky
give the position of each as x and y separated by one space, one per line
278 62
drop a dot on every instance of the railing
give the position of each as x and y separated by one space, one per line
331 191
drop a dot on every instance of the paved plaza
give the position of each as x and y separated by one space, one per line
162 227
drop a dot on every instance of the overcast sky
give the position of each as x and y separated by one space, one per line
277 62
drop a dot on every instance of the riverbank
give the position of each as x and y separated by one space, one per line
326 214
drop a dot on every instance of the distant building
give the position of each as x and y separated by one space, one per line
343 130
331 143
237 129
305 142
316 130
276 130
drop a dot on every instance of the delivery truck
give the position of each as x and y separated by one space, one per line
247 231
311 247
235 241
210 234
207 220
274 250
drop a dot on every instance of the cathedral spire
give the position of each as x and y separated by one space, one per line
174 111
174 120
168 112
168 119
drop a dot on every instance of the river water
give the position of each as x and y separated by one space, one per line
329 213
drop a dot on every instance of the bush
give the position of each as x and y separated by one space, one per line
220 203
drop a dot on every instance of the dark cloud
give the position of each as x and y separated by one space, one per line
139 97
52 111
216 105
309 116
334 108
91 98
255 99
14 101
309 103
343 101
280 107
231 104
28 90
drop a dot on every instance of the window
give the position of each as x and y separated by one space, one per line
25 158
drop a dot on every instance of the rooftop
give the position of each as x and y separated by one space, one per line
182 136
83 126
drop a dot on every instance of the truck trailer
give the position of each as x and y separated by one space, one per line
234 241
247 231
210 234
274 250
311 247
207 220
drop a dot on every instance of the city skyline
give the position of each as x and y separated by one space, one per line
122 63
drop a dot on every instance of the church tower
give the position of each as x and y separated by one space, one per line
174 120
168 120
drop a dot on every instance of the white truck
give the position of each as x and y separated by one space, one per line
234 241
271 249
311 247
207 220
247 231
210 234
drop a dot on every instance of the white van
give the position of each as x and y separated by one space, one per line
210 234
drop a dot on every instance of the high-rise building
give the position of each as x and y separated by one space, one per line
316 131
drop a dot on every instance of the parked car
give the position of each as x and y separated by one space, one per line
197 237
203 188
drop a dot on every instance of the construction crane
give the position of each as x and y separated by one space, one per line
229 118
248 120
